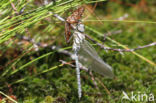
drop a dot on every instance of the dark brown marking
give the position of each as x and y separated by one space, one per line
67 32
72 19
75 16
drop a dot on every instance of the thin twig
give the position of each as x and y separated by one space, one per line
120 50
130 50
69 63
107 91
93 79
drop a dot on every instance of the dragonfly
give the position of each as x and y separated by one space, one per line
84 52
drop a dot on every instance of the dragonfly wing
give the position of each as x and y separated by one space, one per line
89 58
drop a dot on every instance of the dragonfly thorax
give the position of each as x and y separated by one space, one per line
78 39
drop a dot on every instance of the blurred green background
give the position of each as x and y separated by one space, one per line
37 76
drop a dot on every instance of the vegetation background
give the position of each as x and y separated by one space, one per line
31 74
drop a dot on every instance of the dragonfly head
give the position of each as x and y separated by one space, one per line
80 27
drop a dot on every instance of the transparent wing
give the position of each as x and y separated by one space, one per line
89 58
